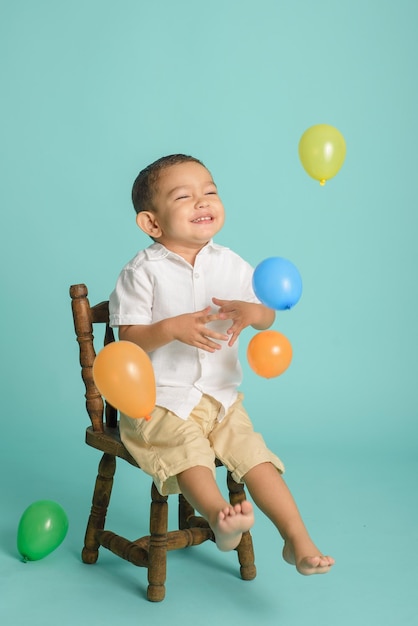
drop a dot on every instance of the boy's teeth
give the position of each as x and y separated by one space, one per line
202 219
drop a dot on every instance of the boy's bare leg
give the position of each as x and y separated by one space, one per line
272 496
228 522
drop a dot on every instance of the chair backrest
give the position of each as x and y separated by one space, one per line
84 317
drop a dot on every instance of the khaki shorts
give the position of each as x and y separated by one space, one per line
166 445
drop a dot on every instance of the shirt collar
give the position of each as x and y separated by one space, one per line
157 251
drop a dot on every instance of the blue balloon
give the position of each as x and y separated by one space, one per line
277 283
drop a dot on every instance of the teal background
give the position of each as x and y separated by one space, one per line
93 90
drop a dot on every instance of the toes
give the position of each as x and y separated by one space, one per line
246 507
228 511
315 565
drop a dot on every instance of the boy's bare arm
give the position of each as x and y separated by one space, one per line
190 328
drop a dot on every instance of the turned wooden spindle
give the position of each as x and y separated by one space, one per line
157 546
245 549
101 498
84 332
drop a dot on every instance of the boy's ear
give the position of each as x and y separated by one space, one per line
147 221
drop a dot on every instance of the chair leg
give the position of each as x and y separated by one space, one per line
157 565
185 512
245 548
101 498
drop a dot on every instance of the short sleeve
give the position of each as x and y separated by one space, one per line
131 301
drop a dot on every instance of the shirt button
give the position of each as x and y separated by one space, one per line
196 275
202 355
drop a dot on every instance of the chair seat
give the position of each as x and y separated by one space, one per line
109 441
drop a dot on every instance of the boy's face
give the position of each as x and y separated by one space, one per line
188 211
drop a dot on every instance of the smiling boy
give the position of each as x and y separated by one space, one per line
185 301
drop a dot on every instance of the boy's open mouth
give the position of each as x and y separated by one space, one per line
202 219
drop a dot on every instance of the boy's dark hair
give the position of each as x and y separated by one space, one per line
145 183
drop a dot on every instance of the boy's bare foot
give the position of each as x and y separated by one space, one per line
295 554
231 522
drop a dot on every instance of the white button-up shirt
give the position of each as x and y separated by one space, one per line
157 284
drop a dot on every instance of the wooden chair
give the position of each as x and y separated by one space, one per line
103 434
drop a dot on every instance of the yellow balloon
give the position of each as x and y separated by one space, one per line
322 151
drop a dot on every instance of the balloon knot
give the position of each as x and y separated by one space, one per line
322 182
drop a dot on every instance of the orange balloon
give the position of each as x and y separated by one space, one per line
124 375
269 353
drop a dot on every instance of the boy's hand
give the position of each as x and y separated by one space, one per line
243 314
191 329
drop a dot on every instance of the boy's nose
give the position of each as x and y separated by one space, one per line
202 202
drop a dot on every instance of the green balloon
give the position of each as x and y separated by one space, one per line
42 528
